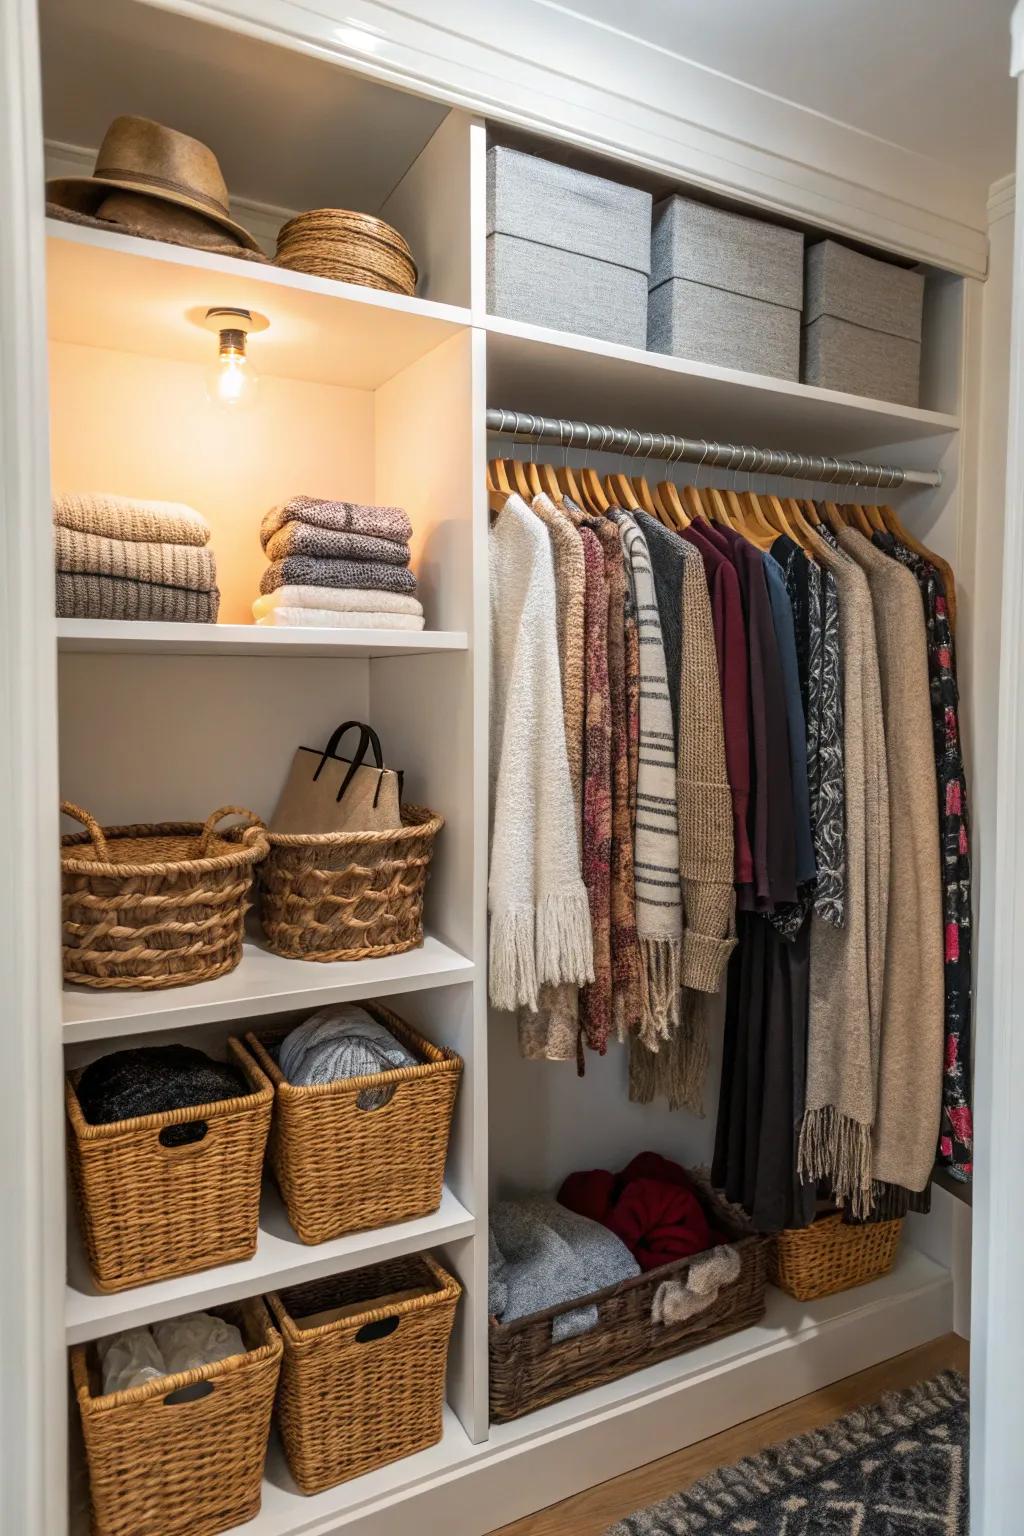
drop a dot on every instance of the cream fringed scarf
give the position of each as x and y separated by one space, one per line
540 916
659 912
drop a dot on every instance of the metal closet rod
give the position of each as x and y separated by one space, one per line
688 450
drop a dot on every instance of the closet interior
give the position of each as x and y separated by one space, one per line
386 400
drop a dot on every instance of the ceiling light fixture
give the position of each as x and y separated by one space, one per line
231 381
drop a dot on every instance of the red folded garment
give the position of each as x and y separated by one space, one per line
651 1206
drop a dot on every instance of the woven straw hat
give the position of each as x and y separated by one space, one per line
168 167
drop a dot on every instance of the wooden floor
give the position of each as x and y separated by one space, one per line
592 1512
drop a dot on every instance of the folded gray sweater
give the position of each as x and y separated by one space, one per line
84 596
329 544
308 571
342 516
541 1255
170 565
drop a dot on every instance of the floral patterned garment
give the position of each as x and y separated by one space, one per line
956 1134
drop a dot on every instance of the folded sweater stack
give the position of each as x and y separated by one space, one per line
337 565
121 558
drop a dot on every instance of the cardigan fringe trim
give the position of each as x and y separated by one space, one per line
552 942
837 1148
663 963
678 1071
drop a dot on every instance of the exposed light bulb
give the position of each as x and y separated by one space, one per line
232 381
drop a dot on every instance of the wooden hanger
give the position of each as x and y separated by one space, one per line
855 518
499 487
673 514
874 516
896 528
715 507
755 527
620 493
594 499
567 484
802 530
644 496
549 482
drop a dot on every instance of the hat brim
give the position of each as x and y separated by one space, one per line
84 194
91 221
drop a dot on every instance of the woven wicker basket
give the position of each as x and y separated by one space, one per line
342 1167
365 1391
832 1255
349 247
156 906
529 1369
348 895
160 1467
149 1211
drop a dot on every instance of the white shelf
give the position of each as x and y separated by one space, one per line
280 1259
116 291
554 373
262 983
131 638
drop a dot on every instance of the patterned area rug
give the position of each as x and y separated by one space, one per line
894 1468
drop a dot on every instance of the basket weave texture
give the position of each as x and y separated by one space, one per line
529 1370
348 895
191 1468
149 1211
344 1168
832 1255
348 247
156 905
365 1391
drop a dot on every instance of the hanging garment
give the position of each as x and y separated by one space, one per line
540 916
774 840
706 861
659 913
956 1133
551 1034
847 965
910 1064
628 981
731 653
596 999
785 635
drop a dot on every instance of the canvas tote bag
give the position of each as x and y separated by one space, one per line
325 792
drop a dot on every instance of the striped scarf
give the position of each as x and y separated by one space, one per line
659 913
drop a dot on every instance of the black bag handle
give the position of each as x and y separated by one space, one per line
367 737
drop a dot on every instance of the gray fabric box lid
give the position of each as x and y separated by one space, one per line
571 210
726 250
875 294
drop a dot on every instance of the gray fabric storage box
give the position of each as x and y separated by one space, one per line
725 289
862 320
566 249
840 355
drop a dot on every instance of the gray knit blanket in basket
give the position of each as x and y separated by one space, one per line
542 1255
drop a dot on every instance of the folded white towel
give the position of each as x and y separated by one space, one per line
335 618
343 599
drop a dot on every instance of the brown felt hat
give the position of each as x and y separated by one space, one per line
170 168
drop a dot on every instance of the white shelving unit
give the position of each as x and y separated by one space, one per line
373 397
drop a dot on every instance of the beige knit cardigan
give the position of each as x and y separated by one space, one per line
847 965
912 1042
551 1033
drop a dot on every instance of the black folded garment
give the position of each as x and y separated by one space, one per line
153 1079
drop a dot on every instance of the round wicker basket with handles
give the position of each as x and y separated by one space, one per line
348 895
156 905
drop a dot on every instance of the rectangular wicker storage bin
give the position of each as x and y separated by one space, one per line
182 1456
149 1211
832 1255
529 1370
343 1168
364 1391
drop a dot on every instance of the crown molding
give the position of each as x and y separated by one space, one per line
1002 198
688 122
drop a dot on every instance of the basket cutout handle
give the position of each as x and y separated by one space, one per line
91 825
193 1393
370 1099
369 1333
189 1134
210 824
